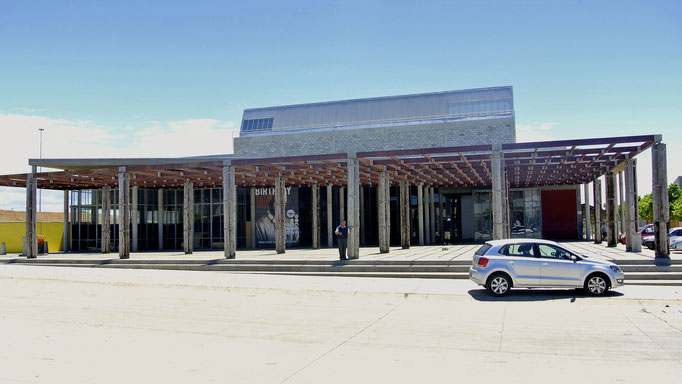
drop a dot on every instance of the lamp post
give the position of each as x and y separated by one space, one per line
40 192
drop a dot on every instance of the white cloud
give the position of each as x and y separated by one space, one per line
535 131
83 138
185 138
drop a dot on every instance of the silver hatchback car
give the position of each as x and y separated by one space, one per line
500 265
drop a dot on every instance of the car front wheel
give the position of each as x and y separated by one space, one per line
499 285
596 285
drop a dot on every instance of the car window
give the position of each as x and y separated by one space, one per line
551 252
524 250
481 251
649 230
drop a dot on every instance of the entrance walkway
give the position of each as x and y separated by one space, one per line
440 253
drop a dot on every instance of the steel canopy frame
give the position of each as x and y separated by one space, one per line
532 164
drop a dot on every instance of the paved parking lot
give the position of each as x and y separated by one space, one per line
68 325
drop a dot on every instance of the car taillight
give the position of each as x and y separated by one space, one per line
483 262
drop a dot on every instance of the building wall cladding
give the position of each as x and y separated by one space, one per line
429 120
433 135
469 102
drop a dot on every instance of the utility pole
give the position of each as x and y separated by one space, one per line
40 192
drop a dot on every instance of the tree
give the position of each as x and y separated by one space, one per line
646 208
646 204
675 201
676 213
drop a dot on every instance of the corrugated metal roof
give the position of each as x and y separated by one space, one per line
475 103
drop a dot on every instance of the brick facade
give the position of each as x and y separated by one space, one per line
460 133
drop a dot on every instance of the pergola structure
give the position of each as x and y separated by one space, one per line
500 167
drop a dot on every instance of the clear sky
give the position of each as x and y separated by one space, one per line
171 78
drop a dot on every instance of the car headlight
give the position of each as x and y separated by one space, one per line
615 268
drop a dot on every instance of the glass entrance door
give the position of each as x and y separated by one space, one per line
452 207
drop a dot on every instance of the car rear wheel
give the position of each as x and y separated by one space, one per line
596 285
499 284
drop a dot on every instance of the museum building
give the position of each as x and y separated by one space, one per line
402 170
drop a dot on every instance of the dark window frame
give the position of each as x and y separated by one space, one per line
505 250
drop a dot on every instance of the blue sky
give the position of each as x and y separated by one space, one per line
116 73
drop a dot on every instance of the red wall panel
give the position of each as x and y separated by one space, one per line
559 214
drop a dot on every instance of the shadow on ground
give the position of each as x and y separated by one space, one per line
523 294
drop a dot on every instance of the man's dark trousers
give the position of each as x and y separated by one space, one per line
343 243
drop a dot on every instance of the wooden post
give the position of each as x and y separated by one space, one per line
134 218
387 211
597 212
382 214
66 221
381 217
659 175
498 203
404 214
106 219
229 212
621 203
123 213
280 214
611 226
432 216
353 208
31 241
438 215
420 212
316 215
633 240
587 214
330 218
188 217
427 216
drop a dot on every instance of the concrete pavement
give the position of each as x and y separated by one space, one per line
415 253
100 325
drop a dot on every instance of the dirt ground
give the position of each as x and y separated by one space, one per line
20 217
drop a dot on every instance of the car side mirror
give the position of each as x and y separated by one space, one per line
574 258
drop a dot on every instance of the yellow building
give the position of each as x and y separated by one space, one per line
12 234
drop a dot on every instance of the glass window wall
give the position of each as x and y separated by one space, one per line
483 216
524 207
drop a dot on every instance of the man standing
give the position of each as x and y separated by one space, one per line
342 238
448 231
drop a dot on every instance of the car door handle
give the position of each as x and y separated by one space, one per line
510 262
545 264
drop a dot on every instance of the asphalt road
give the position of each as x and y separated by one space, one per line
77 325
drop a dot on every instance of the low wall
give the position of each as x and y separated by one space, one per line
12 233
